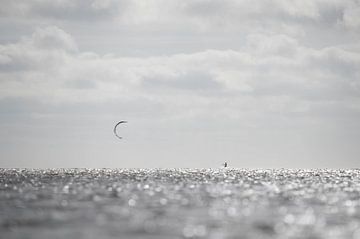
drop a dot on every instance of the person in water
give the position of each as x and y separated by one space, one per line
225 164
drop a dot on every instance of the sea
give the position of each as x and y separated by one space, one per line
179 203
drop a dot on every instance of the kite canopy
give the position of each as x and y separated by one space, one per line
121 122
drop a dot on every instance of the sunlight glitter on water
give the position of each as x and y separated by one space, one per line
179 203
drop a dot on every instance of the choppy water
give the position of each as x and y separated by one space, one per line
179 203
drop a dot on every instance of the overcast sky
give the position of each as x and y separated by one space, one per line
259 84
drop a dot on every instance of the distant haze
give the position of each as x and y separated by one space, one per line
259 84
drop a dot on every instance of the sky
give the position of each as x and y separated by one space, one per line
259 84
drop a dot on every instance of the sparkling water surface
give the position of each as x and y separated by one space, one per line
179 203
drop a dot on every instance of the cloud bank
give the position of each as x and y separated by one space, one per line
269 80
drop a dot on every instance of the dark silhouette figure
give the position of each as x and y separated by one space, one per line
225 164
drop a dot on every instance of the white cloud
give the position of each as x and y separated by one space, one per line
351 17
266 68
52 38
278 45
47 47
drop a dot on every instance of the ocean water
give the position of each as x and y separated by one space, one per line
179 203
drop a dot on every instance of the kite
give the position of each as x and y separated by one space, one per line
121 122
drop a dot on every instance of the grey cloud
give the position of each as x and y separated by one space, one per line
80 84
207 14
328 13
190 80
63 9
136 28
